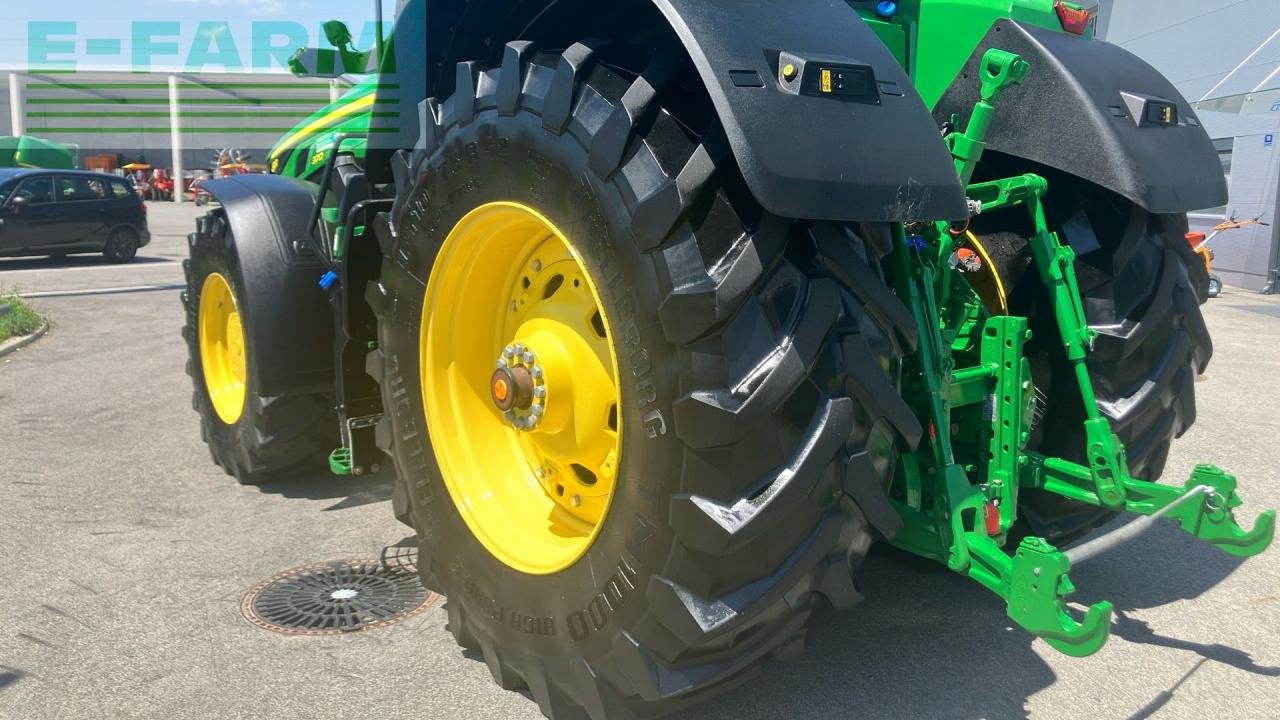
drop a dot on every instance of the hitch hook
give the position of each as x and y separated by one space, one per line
1215 523
1037 586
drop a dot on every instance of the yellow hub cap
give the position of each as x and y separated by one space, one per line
520 387
222 348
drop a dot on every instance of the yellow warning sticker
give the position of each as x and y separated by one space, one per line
826 81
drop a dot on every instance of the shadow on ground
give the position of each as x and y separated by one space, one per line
926 643
70 261
349 492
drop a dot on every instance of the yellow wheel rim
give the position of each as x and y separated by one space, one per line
222 348
520 387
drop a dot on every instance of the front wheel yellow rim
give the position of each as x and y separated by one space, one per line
222 348
520 387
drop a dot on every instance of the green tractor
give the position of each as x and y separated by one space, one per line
665 311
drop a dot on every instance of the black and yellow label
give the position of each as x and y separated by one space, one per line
826 80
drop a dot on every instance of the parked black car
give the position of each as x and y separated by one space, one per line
60 212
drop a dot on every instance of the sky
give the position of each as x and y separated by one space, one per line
171 35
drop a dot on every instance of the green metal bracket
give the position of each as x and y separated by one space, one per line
1105 480
961 510
952 528
340 461
1214 521
1000 70
1035 583
914 279
1211 520
1012 403
1038 586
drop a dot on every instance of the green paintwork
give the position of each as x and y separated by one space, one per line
340 462
944 33
303 151
1000 70
34 152
985 400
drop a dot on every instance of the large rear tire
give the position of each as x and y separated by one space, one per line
756 359
254 437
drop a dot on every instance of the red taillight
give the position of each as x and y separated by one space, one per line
1075 19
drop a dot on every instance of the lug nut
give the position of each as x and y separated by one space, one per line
540 391
509 352
540 473
576 501
537 266
536 372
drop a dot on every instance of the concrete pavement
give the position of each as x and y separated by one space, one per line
124 554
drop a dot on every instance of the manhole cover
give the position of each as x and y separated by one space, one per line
336 597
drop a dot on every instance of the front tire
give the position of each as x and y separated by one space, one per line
254 437
756 359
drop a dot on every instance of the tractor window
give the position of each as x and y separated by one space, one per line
78 188
37 191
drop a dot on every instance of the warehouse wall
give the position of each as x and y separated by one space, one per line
1243 257
1224 56
117 112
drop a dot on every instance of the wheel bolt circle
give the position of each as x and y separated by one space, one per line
517 387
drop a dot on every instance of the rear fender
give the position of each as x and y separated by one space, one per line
874 156
1081 110
289 316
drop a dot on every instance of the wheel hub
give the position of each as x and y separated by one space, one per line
520 387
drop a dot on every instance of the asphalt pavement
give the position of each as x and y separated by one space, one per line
124 554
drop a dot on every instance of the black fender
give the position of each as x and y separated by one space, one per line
872 154
1096 111
290 320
